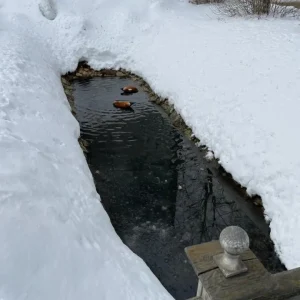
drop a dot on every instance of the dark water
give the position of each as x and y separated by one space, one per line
159 192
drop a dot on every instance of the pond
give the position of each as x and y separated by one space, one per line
159 191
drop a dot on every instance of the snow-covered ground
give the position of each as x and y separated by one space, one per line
234 81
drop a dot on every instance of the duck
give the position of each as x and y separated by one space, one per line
123 104
129 89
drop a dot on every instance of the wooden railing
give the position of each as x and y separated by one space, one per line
228 270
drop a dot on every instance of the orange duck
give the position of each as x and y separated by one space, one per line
123 104
129 89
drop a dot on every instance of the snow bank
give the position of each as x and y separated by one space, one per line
57 241
234 82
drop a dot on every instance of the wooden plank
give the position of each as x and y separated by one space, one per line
201 256
285 285
256 282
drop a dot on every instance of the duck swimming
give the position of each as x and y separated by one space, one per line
123 104
129 89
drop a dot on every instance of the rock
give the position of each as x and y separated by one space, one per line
257 201
78 74
108 72
85 143
70 97
85 73
70 77
160 100
173 114
170 110
65 81
68 87
68 92
83 64
177 120
165 106
153 98
120 74
82 145
188 132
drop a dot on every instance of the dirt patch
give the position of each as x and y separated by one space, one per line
85 71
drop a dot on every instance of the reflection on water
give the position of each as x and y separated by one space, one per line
159 192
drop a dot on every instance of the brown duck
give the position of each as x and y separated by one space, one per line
123 104
129 89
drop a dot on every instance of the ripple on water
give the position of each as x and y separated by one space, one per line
157 189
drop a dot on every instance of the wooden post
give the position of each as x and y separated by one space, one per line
245 279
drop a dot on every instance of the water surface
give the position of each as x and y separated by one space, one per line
160 194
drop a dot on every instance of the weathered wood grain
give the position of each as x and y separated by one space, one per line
284 285
241 287
201 256
256 284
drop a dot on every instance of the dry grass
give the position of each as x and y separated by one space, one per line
275 8
296 4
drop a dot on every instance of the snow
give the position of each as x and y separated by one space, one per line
57 242
234 81
209 155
